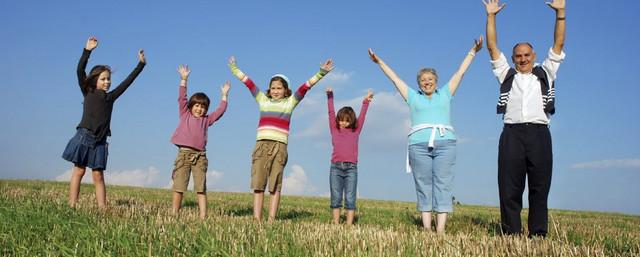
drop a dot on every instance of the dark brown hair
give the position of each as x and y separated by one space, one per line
347 113
89 83
199 98
287 90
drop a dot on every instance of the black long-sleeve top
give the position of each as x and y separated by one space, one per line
98 104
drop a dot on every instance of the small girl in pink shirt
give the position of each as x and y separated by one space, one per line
343 178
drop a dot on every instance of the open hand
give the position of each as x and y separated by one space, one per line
327 65
224 90
493 6
184 71
477 44
557 4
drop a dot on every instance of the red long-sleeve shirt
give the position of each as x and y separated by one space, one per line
345 141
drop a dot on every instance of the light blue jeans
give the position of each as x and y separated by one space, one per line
433 174
343 180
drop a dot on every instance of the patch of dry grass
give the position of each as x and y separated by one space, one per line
35 220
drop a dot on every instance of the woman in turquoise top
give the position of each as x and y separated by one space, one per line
432 142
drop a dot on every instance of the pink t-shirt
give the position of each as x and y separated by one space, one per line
192 131
345 141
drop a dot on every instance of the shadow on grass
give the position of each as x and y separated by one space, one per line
410 217
492 227
485 223
248 211
244 211
125 202
294 215
343 219
189 204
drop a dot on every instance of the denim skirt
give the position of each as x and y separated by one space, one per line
84 150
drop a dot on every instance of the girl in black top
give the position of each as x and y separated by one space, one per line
89 147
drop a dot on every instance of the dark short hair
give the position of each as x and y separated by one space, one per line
199 98
287 90
347 113
90 82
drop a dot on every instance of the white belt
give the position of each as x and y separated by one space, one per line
441 128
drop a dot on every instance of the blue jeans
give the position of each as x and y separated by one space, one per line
433 174
343 179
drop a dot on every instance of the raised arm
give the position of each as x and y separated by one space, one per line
91 44
222 107
401 86
233 65
325 68
364 108
132 76
559 32
243 77
455 80
493 7
183 71
331 109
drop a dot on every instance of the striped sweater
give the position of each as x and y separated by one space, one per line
275 115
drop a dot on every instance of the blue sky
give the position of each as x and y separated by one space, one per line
595 130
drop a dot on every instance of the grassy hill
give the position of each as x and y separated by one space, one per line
35 221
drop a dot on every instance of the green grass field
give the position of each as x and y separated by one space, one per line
35 221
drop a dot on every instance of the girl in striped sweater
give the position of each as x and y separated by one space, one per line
270 153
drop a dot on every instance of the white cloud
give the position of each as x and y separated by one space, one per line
337 76
150 177
214 178
318 127
297 182
137 177
633 164
169 185
66 176
387 120
317 103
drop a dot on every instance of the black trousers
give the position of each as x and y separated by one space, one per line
525 150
